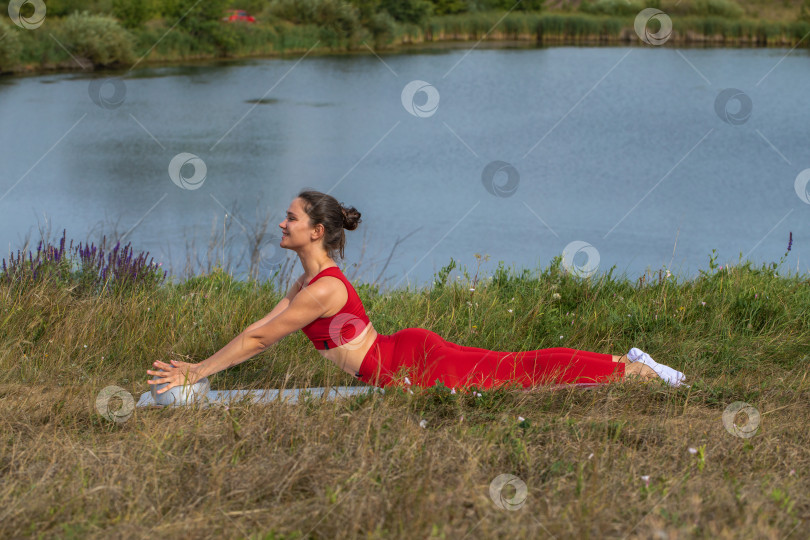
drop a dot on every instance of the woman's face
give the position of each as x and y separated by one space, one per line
295 228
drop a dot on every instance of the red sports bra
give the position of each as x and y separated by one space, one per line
343 326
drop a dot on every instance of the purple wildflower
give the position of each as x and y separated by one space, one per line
790 241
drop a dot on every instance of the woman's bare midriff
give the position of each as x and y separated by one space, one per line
349 356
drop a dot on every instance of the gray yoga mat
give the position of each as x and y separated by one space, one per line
291 395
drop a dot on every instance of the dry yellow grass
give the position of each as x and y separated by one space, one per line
364 467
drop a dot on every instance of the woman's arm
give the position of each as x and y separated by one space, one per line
303 309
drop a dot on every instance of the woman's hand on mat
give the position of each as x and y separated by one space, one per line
176 373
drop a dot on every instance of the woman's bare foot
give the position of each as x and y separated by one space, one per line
639 370
635 369
637 357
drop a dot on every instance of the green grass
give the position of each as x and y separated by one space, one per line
739 320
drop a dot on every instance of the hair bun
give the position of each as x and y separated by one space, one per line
351 218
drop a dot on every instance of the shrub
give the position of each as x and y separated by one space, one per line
10 47
408 11
339 19
132 13
382 27
612 7
721 8
98 38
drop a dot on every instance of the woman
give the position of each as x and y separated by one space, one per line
324 305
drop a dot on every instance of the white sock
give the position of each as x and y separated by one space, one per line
672 376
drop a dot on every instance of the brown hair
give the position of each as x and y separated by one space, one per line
334 216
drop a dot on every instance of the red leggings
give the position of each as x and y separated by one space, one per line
425 358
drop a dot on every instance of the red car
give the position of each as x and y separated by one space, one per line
238 15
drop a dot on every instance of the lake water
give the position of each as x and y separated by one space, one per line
622 149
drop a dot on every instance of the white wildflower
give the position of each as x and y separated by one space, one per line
423 423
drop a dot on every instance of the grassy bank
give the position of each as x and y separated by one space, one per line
85 40
365 466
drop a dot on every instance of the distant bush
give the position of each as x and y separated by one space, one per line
382 27
98 38
61 8
492 5
612 7
132 13
10 47
722 8
337 19
408 11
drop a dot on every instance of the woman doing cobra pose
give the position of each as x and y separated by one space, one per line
324 305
